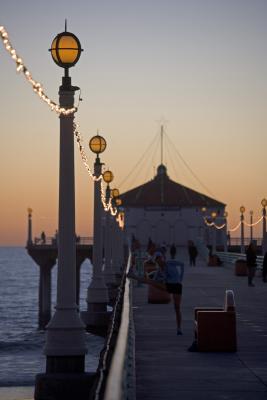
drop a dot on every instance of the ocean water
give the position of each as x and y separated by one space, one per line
21 343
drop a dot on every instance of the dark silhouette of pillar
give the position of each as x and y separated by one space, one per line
45 257
44 314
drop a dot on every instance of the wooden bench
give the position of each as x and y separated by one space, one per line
215 328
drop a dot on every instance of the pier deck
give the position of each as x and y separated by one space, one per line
164 367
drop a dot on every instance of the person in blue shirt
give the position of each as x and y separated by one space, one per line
174 273
168 277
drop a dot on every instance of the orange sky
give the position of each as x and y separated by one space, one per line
202 68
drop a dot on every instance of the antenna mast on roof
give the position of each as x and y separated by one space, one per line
161 144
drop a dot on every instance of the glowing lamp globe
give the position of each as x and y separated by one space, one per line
66 49
108 176
97 144
203 209
242 209
118 202
115 193
214 214
264 203
29 211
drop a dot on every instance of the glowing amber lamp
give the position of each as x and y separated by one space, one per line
66 49
108 176
97 144
115 193
242 209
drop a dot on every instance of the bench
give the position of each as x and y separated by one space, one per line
215 328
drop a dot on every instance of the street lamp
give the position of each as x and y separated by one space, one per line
29 241
65 347
118 201
97 145
242 210
97 293
66 50
117 238
251 225
115 193
108 177
264 244
110 278
225 215
206 228
213 216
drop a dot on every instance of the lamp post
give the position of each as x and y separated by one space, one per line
205 231
65 347
97 293
115 238
213 216
251 225
29 240
120 225
264 244
109 273
242 210
225 231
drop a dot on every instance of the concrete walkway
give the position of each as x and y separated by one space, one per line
166 370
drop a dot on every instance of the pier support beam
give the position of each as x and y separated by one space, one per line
45 257
44 314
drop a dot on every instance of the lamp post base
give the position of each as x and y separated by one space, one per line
63 386
96 318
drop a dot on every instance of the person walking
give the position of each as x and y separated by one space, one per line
251 257
264 268
168 277
192 251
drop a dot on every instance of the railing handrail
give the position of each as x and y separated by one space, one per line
114 387
52 241
110 383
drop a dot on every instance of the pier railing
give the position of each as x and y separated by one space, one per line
52 241
236 241
116 370
231 258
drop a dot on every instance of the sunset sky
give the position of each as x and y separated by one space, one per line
199 64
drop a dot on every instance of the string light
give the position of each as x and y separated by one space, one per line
235 228
107 206
37 87
79 139
255 223
213 224
210 224
120 219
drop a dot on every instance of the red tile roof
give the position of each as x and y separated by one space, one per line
163 192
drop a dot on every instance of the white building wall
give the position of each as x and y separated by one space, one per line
171 225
